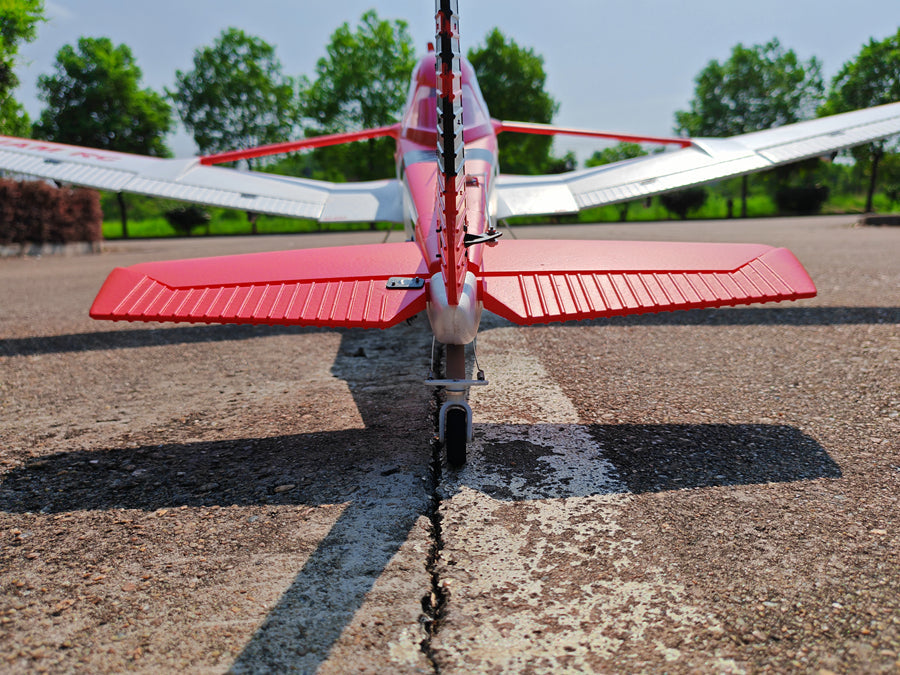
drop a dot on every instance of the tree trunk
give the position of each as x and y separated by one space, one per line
744 196
873 179
123 213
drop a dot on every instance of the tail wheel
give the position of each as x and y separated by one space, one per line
455 436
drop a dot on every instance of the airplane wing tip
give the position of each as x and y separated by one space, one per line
785 265
121 284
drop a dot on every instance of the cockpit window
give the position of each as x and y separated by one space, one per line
474 112
423 110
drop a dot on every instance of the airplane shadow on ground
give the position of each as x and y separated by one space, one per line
776 314
638 458
244 471
143 337
192 334
374 470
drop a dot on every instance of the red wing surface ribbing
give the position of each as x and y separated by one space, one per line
542 281
339 287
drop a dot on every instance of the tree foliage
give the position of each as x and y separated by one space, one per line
683 202
568 162
183 219
871 78
513 82
616 153
362 80
95 98
360 83
18 24
803 200
757 88
236 96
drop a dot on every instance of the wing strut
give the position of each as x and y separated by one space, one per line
303 144
551 130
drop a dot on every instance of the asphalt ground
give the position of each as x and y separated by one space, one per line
708 491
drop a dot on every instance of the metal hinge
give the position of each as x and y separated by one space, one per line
490 237
404 283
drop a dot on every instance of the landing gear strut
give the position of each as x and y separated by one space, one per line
455 417
458 420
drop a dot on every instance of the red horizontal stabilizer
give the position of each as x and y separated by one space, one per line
542 281
344 286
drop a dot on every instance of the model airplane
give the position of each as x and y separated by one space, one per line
450 197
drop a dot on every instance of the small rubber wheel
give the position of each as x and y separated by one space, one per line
455 436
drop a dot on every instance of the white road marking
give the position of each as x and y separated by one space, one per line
547 544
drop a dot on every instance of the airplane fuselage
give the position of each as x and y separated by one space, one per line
454 320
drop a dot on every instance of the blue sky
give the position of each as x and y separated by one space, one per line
620 66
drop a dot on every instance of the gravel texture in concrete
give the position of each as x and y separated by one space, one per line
712 491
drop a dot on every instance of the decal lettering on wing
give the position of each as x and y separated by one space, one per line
46 148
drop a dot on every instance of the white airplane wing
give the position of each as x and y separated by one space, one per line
707 160
188 180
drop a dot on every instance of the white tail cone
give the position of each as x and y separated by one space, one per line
454 324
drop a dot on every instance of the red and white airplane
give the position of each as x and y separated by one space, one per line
449 195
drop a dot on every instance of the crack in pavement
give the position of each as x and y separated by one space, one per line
434 603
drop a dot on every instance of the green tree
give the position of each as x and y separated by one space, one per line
568 162
757 87
871 78
889 170
95 98
513 82
683 201
236 96
360 83
18 24
616 153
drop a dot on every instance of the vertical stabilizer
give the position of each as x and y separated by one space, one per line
451 197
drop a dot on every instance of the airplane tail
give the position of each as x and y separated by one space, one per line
342 287
451 197
542 281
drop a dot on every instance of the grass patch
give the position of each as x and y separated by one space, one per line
224 224
856 203
715 208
